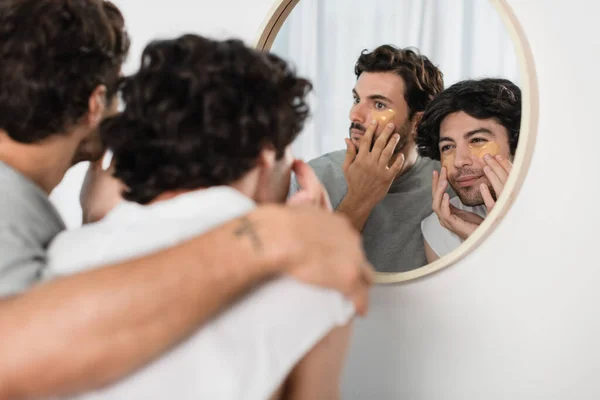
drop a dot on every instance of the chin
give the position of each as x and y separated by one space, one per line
471 199
468 196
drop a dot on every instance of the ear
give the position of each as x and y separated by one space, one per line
416 119
97 106
266 158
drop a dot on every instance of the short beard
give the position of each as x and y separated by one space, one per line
404 133
471 196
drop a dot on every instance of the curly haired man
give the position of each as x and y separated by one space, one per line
204 138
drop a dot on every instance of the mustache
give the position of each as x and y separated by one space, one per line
354 125
466 172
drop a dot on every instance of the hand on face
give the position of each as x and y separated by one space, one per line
311 190
460 222
497 170
100 192
369 174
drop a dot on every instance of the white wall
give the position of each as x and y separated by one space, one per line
519 318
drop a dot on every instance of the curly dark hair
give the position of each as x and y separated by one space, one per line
54 54
199 112
422 80
482 99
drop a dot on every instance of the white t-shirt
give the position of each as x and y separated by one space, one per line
440 239
243 353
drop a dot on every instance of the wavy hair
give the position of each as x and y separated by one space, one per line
198 114
54 54
495 98
422 80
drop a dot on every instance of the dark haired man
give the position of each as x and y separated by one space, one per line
473 128
60 64
380 181
198 155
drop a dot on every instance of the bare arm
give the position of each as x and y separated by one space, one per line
356 211
318 375
430 255
369 173
101 325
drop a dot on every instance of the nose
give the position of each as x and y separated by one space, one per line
463 157
358 114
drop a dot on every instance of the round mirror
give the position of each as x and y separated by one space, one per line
456 81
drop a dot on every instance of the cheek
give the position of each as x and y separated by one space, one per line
383 118
447 161
490 148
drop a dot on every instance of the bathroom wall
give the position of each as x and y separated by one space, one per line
519 317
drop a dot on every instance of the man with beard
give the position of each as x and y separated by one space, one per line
205 152
61 62
380 182
473 128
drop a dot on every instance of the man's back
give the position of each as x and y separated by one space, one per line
392 234
245 352
28 222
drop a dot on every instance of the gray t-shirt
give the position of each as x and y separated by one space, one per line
28 222
392 234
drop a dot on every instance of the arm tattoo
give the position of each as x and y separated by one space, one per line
246 228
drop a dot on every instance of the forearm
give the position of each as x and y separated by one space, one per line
357 212
318 375
84 331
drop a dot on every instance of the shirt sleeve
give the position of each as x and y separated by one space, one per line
441 240
21 261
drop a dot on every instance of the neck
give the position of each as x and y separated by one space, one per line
245 185
45 163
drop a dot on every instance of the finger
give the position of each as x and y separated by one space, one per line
325 201
488 199
310 185
300 198
388 151
350 154
506 164
439 191
382 141
445 208
307 179
496 168
367 139
434 182
497 184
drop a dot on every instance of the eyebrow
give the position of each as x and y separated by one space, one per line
374 97
469 134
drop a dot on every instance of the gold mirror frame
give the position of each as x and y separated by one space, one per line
529 122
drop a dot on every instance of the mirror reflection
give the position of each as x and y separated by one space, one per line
415 118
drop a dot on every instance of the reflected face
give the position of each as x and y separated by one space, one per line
380 96
464 141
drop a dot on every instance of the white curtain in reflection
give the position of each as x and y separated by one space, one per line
323 39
